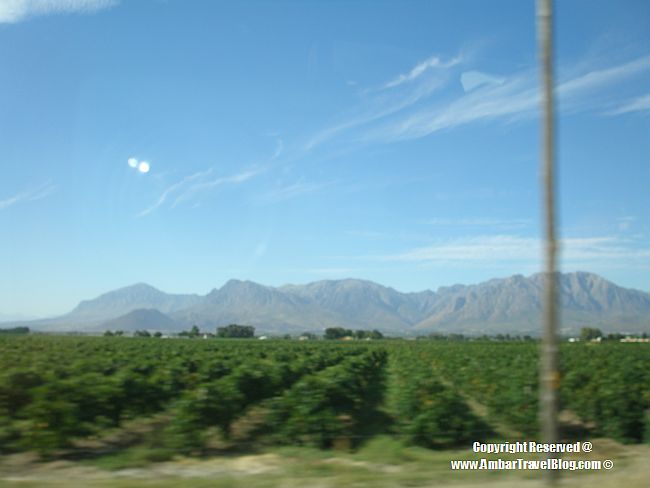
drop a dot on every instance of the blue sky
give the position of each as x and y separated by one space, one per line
295 141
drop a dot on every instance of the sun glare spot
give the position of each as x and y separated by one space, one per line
133 162
143 167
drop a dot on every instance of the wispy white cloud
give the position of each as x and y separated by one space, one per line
414 104
402 236
260 249
516 97
482 248
624 223
419 69
172 189
189 191
474 79
597 78
606 250
481 222
513 249
279 147
368 234
380 108
382 104
640 104
12 11
37 193
332 271
292 191
191 185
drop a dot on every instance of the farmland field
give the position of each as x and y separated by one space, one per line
120 402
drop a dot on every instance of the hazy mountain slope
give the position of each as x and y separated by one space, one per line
349 303
90 314
142 318
511 305
514 305
124 300
268 308
500 302
364 304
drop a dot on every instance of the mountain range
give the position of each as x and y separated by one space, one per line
506 305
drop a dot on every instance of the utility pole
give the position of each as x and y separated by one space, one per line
549 375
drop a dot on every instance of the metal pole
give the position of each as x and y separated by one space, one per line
549 376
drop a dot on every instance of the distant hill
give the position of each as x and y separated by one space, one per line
514 305
90 315
142 318
269 309
124 300
316 306
365 304
507 305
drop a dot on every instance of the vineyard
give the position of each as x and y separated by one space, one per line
58 392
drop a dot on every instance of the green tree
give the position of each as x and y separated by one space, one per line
236 331
15 330
337 333
615 337
375 334
192 333
589 333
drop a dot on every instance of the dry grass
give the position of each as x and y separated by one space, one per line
382 463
